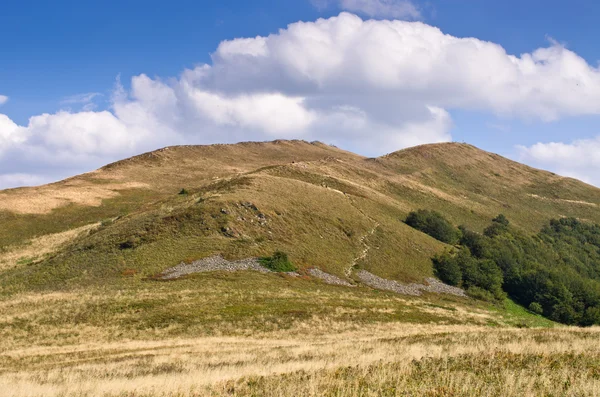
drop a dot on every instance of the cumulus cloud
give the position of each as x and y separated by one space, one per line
10 133
369 86
3 99
579 159
22 180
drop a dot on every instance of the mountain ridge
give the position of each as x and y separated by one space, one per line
314 200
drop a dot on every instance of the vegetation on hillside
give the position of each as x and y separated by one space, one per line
434 224
278 262
555 273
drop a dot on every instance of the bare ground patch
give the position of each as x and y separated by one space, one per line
556 200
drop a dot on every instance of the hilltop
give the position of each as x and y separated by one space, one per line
320 204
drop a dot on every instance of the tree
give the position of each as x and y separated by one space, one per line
536 308
433 224
501 220
447 269
478 244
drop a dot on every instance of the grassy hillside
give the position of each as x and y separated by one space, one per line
320 204
84 312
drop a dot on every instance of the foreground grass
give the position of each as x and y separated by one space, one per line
227 304
247 333
375 360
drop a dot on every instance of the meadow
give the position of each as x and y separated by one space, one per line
319 359
249 334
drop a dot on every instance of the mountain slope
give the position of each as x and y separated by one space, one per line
323 206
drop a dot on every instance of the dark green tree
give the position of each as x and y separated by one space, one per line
433 224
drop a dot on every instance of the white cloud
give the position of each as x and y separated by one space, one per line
3 99
579 159
371 86
10 134
395 9
23 180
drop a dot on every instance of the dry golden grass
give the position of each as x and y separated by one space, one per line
37 248
43 199
391 359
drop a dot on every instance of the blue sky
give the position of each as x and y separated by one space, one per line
62 59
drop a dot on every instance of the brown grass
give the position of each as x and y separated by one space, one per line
43 199
37 248
392 359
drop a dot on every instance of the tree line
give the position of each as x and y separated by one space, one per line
555 272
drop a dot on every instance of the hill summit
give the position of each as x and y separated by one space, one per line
336 215
312 200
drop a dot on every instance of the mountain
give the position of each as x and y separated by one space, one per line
143 276
321 205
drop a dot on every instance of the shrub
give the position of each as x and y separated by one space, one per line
536 308
183 192
499 225
501 220
448 269
591 316
480 294
106 222
279 262
462 269
433 224
477 243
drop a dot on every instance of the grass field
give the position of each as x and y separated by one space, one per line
247 333
318 359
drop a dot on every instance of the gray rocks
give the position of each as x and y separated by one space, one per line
438 287
249 205
218 263
211 264
413 289
328 278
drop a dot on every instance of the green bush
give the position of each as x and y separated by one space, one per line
481 294
477 243
536 308
501 220
591 316
279 262
447 269
464 270
183 192
433 224
499 225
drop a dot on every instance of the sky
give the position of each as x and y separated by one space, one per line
83 84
